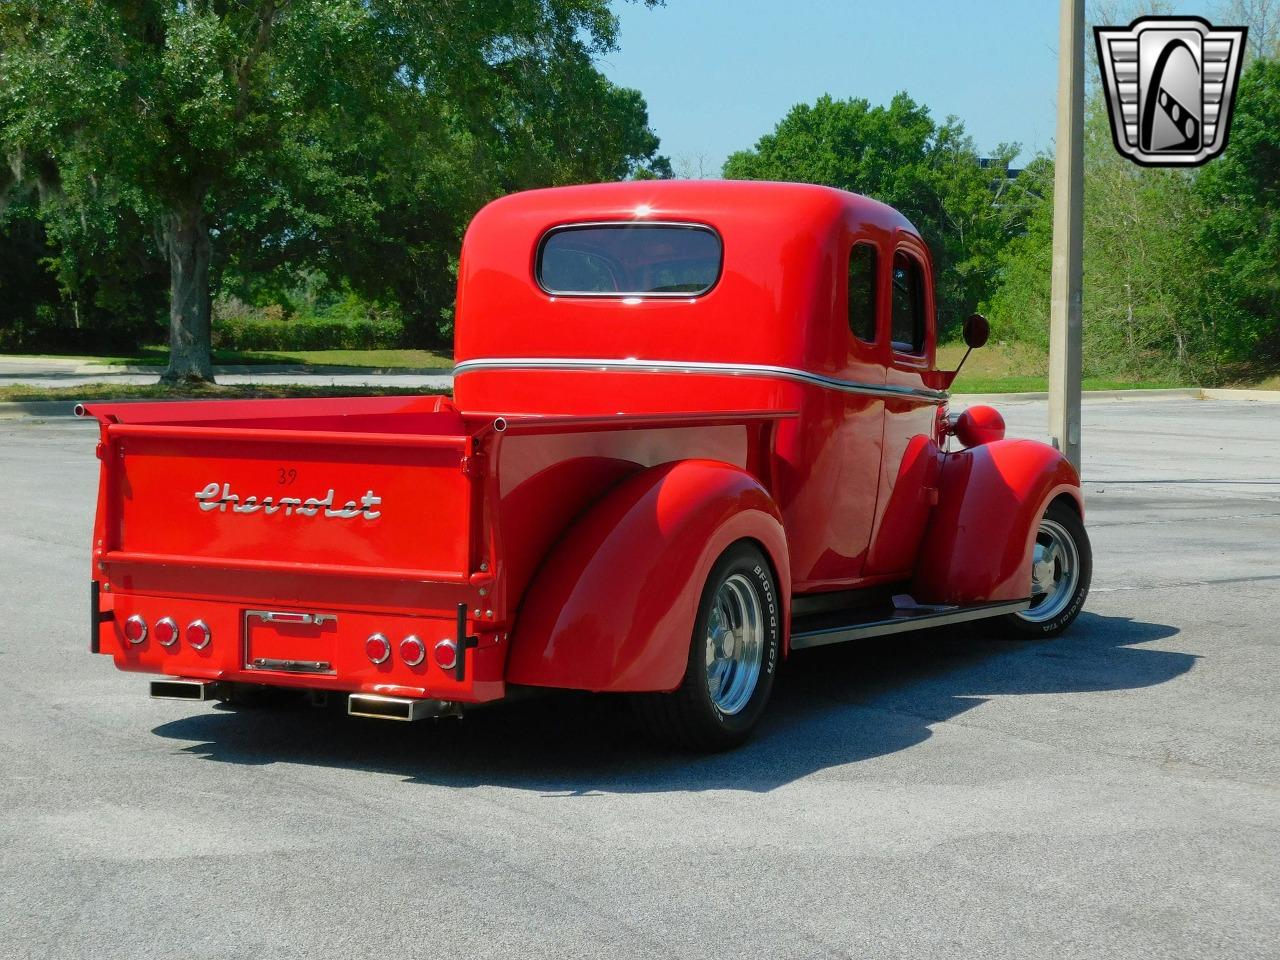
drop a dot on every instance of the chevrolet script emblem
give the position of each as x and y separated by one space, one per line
1170 84
218 496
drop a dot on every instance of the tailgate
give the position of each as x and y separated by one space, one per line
355 504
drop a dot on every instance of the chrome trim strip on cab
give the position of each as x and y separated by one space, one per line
687 366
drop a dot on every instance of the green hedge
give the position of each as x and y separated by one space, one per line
307 333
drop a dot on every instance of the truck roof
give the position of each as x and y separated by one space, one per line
690 198
784 247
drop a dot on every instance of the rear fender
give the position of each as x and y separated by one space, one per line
978 544
613 606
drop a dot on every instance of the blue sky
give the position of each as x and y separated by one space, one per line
719 73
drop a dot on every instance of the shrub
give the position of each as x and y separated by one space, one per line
344 322
307 333
45 329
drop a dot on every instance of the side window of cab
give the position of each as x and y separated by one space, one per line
863 284
908 304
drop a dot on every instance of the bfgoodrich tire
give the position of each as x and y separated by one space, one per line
1061 571
733 655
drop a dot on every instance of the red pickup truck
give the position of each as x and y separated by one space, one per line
696 427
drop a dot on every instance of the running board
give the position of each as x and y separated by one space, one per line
805 632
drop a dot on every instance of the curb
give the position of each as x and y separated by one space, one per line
1228 393
23 360
37 409
64 409
1176 393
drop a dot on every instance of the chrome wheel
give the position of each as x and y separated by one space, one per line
734 647
1055 572
734 644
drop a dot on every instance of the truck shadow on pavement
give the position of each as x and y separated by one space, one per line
831 707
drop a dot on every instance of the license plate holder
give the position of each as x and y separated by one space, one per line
289 642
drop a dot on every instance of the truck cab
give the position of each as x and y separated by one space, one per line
695 427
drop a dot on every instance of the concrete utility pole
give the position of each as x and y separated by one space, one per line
1065 343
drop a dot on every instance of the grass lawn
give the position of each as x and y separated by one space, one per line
383 359
1017 368
160 391
1270 383
978 384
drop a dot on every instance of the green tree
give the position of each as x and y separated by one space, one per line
257 133
1018 304
1146 307
1180 266
1241 231
964 209
73 276
426 177
26 282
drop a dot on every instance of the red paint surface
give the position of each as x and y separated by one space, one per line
579 537
979 425
613 606
980 536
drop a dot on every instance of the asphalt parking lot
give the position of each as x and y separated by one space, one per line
1111 793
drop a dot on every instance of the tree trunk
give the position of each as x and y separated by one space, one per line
1128 326
186 238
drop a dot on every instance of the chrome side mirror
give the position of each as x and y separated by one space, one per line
976 333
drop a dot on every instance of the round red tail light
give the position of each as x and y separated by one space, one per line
166 631
135 629
198 634
446 654
412 652
377 648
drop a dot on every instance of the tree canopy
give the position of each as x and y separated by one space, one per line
233 138
1241 231
964 208
1181 267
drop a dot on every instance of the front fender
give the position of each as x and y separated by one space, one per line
978 544
613 606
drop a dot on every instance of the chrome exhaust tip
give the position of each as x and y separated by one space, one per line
178 689
394 708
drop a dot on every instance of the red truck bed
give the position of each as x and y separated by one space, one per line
296 531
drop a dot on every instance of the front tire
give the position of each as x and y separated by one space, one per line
733 655
1061 571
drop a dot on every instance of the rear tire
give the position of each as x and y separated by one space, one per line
1062 568
733 655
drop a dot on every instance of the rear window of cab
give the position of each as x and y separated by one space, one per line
629 260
